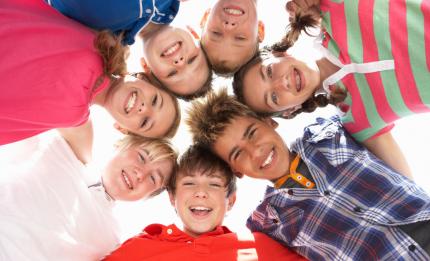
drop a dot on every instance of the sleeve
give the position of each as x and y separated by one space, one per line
269 249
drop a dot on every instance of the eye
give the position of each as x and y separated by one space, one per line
192 59
237 154
240 38
216 33
251 133
269 70
172 73
152 179
141 157
188 183
274 98
154 100
215 185
144 122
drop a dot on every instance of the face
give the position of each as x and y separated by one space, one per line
253 148
141 108
176 59
231 31
131 175
279 83
201 202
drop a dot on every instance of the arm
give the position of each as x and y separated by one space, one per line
386 148
80 140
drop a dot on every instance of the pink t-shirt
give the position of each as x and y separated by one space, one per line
48 68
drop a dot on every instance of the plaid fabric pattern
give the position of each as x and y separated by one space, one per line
353 212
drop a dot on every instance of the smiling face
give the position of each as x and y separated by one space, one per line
141 108
253 148
201 201
176 59
230 34
131 175
279 83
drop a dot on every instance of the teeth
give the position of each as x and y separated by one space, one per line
298 80
268 160
233 11
171 49
127 181
200 209
131 102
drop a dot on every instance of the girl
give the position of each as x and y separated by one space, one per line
54 207
51 73
375 69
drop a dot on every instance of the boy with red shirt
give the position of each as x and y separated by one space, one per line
202 191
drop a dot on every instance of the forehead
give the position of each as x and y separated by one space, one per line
201 174
232 134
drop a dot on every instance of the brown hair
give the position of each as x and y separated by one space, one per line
198 158
150 79
208 118
158 150
113 53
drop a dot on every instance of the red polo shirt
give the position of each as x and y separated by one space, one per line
158 242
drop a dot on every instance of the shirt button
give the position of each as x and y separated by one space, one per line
290 192
148 11
412 247
326 193
357 209
171 17
329 134
169 231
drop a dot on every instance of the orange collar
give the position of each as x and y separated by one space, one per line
299 178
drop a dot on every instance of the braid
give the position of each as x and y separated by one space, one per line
114 54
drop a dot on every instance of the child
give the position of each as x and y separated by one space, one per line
231 34
372 80
51 74
331 200
56 208
201 191
171 54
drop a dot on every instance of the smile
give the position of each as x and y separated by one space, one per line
298 80
126 180
234 11
171 49
130 102
268 160
200 211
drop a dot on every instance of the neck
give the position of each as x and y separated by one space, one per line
291 156
326 68
101 97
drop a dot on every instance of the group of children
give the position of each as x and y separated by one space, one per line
331 199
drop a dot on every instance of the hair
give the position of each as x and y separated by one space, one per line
150 79
158 150
207 119
221 68
198 158
202 91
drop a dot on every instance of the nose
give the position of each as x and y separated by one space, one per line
229 25
281 82
179 61
144 108
140 175
200 193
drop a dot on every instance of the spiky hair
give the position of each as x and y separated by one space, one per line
208 118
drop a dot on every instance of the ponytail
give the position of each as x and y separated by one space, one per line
114 54
300 22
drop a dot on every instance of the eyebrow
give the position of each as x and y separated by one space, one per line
245 134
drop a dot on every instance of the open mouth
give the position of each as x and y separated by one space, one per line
126 180
268 161
130 102
172 49
200 211
298 80
234 10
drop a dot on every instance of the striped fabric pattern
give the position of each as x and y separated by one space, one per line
353 212
365 31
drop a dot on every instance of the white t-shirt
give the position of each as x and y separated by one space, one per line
48 211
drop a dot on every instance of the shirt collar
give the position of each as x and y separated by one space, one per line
173 233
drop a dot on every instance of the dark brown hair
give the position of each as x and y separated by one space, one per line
198 158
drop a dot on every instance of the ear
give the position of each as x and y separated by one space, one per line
171 199
145 66
193 32
121 129
238 174
205 18
271 122
261 31
231 201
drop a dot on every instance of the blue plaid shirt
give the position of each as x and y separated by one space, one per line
118 15
354 211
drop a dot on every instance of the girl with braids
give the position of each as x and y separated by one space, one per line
375 68
53 69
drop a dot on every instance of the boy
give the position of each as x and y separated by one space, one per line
201 191
331 200
231 34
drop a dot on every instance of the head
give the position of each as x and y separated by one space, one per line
231 34
248 143
140 168
173 55
202 190
140 107
276 82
